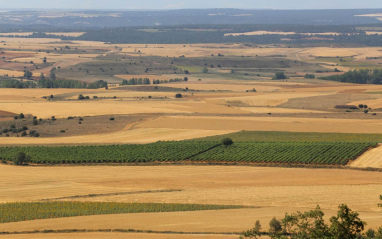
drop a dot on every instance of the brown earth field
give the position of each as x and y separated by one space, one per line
270 191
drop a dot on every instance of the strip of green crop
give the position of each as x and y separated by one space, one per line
320 153
275 136
15 212
142 153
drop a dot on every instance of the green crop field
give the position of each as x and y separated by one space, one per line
15 212
320 153
275 136
142 153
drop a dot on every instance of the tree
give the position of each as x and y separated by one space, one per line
44 60
346 224
205 70
186 72
252 233
42 77
185 79
81 97
21 158
360 106
52 74
28 74
280 76
275 228
227 141
178 95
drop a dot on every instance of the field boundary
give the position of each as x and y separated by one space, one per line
112 194
68 231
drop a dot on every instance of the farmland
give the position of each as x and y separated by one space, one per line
130 158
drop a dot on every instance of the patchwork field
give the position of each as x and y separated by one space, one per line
229 91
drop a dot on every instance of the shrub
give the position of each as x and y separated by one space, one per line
178 95
16 117
35 122
227 141
23 134
366 111
13 126
280 76
24 128
62 131
81 97
21 158
360 106
112 118
21 116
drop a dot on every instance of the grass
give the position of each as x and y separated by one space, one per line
275 136
25 211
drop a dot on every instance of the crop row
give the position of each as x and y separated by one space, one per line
15 212
322 153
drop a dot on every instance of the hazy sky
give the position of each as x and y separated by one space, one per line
179 4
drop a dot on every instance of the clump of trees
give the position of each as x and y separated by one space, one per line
358 77
311 224
310 76
280 76
137 81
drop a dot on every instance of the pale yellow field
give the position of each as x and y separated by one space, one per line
267 124
372 158
275 110
98 235
273 190
273 99
11 73
68 34
374 104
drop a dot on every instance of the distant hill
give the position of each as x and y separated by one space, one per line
100 19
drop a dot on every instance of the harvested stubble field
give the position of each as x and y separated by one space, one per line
273 190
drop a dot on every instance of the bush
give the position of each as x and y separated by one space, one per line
21 158
280 76
62 131
227 141
112 118
21 116
35 122
81 97
360 106
366 111
178 95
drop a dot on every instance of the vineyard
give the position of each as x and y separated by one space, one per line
15 212
275 136
143 153
321 153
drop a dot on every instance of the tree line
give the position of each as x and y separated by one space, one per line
358 77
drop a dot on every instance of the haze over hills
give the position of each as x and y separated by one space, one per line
84 19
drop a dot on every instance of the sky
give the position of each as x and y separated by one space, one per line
182 4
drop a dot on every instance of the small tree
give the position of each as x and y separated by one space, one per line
81 97
360 106
346 224
252 233
227 141
21 158
275 227
178 96
280 76
205 70
185 79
